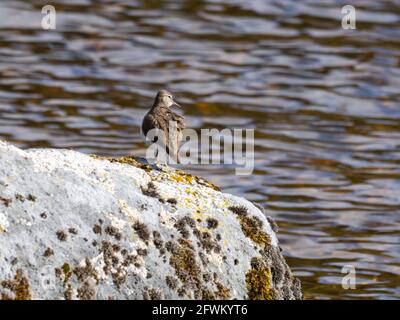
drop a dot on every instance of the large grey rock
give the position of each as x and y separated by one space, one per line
74 226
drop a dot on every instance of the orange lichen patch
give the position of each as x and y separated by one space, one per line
174 175
186 178
19 286
67 272
180 176
258 284
192 192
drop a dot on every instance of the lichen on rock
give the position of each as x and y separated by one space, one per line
75 226
259 284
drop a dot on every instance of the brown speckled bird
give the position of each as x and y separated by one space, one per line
159 117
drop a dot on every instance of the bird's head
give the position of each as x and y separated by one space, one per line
166 99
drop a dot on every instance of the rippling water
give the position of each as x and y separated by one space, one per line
325 104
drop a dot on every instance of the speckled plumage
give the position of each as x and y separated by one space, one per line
125 238
163 118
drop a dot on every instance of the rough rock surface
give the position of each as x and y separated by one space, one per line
74 226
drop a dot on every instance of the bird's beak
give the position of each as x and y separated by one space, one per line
177 104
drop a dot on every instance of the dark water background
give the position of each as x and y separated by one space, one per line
325 104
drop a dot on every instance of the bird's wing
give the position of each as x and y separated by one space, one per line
173 137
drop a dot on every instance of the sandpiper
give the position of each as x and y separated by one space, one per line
161 117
